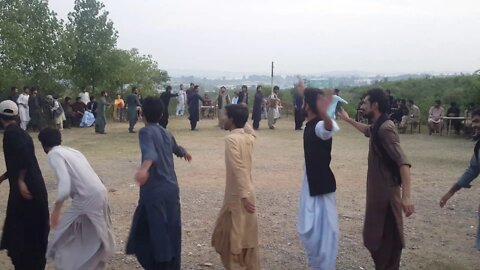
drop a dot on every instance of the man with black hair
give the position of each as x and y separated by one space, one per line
23 110
235 236
454 111
70 247
35 110
317 221
165 97
13 94
100 120
243 95
222 101
257 108
156 232
298 107
388 183
273 104
25 233
194 108
435 115
133 105
471 173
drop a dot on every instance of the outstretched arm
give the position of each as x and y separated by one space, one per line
179 151
470 174
359 126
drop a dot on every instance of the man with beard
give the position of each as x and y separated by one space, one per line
471 172
25 233
243 95
317 222
165 97
388 183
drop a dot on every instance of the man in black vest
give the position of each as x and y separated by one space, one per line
317 215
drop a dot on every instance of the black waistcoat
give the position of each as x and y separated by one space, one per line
317 160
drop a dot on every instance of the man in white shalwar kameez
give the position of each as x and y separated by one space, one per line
23 110
83 236
317 222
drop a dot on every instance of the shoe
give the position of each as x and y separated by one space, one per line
131 131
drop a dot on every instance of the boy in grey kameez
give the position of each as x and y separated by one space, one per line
83 236
155 237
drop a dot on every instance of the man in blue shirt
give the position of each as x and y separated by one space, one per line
472 171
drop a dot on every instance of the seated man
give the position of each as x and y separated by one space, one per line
413 117
435 115
454 111
79 109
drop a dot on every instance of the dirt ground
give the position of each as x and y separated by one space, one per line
436 238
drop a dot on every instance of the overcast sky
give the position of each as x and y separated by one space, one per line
301 36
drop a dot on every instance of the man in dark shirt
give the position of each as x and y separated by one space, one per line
78 109
298 106
454 111
35 110
165 97
133 103
25 233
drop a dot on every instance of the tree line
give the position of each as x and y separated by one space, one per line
39 49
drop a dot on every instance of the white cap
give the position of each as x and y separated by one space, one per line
8 108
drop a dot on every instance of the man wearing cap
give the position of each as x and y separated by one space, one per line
25 233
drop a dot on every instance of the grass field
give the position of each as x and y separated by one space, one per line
436 238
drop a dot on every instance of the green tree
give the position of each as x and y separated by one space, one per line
30 44
92 38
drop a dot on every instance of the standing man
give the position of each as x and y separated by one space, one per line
133 105
454 111
13 94
100 120
25 233
257 108
243 95
222 101
156 233
84 96
92 245
35 110
24 113
194 108
471 173
317 222
298 106
388 183
435 115
235 236
181 101
165 97
273 113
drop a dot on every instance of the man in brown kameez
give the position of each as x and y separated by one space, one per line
388 183
235 236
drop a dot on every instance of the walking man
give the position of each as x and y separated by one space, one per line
133 104
25 232
23 110
165 97
471 173
317 222
388 183
235 236
71 247
194 108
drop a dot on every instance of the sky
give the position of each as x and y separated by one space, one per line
301 36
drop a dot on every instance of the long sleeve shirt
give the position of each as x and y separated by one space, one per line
470 173
333 106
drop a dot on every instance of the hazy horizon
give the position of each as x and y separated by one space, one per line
305 37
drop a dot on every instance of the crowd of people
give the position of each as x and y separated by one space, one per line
83 237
